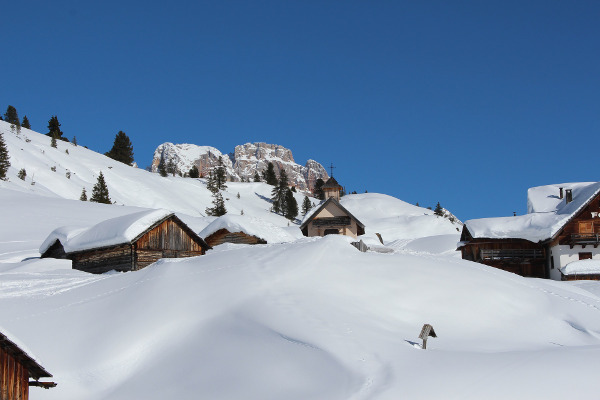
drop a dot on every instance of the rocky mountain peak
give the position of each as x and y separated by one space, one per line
243 163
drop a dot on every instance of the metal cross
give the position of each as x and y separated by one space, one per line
331 167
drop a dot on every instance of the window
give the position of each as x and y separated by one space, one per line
585 256
552 262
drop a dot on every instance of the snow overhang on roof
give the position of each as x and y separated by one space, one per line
111 232
581 267
23 355
547 214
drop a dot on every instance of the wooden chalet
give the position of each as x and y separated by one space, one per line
224 236
562 226
240 229
127 243
16 368
331 218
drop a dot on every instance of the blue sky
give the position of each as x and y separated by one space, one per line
467 103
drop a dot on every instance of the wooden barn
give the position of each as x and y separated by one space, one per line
561 227
239 229
331 218
126 243
16 368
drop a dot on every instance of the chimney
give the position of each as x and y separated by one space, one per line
560 196
568 195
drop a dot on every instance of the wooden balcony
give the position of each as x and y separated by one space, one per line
583 239
512 254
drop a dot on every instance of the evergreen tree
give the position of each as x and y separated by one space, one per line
257 177
210 183
12 117
438 210
83 196
162 170
22 174
194 173
122 149
218 207
269 175
171 167
53 141
25 123
100 191
74 141
319 193
220 176
4 157
278 194
54 129
291 205
306 205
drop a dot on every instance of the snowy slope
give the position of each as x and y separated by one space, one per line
127 185
309 319
395 219
272 322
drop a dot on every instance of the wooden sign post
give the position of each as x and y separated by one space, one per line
425 333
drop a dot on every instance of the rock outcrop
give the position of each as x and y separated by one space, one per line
242 164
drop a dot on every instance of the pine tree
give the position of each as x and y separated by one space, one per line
218 207
210 183
53 141
306 205
319 193
4 157
100 191
22 174
291 205
438 210
171 167
83 196
25 123
269 175
278 194
162 170
257 177
194 173
220 175
54 128
12 117
122 149
74 141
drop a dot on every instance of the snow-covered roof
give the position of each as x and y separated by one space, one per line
110 232
22 353
581 267
249 225
546 214
315 210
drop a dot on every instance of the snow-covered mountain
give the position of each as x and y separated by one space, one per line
310 318
242 164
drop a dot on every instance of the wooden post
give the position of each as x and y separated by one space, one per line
426 331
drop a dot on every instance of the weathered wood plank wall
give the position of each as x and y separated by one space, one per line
224 236
14 378
119 258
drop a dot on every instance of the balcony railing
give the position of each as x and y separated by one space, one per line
504 254
584 239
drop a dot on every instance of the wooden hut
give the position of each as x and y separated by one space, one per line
562 226
16 368
224 236
126 243
239 229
